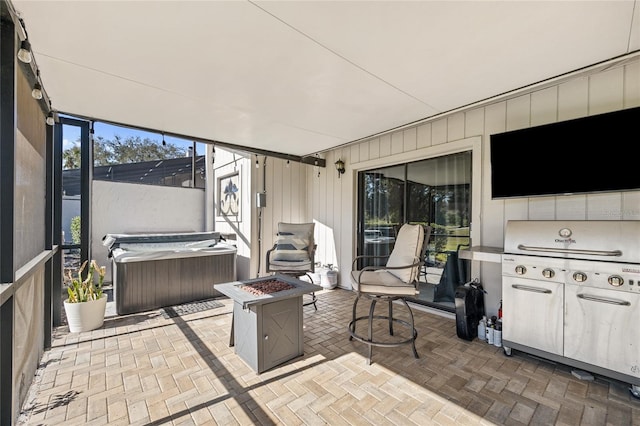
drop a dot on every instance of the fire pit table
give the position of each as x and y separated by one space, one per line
266 328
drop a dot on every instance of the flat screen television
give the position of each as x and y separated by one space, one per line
584 155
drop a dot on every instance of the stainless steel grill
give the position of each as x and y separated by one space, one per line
571 293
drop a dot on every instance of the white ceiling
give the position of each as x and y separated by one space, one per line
299 77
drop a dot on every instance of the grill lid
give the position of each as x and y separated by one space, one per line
604 240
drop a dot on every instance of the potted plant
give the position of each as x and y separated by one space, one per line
86 305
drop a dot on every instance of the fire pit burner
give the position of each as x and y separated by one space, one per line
266 287
266 329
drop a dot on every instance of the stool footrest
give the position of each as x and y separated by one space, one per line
362 339
370 340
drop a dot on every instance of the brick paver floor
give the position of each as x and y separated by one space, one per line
157 369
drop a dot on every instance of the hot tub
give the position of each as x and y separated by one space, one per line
151 271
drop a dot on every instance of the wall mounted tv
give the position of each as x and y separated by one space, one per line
590 154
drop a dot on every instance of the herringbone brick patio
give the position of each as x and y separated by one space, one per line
151 369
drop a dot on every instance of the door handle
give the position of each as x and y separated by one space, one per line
604 300
529 288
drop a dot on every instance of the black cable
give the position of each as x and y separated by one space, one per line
264 191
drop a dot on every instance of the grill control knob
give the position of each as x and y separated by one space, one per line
616 280
521 270
548 273
579 277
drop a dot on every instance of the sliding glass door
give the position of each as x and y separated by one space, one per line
434 192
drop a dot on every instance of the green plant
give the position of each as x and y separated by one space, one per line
85 289
75 229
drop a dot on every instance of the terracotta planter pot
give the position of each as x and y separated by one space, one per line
85 316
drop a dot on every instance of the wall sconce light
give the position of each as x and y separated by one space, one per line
24 54
340 167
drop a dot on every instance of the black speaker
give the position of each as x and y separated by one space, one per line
469 301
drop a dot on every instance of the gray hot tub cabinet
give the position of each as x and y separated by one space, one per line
267 330
151 271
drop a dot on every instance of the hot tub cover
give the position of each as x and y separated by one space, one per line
143 247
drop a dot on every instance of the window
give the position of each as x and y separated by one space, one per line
123 154
128 155
435 192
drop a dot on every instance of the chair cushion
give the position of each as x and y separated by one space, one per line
382 282
406 251
285 265
296 228
293 247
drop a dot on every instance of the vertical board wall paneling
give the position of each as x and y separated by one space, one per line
397 142
606 94
333 219
605 206
518 113
544 110
518 116
374 148
291 173
631 200
573 99
631 205
606 91
439 132
544 106
210 189
385 147
248 207
571 208
269 224
354 153
492 229
304 214
348 215
320 217
455 127
632 85
330 176
410 139
338 210
363 152
474 124
278 196
424 136
325 211
252 236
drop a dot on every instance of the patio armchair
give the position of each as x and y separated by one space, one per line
395 281
294 253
